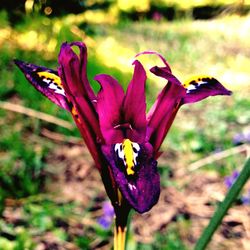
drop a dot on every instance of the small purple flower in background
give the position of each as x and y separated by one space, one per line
229 180
241 138
157 16
246 198
108 215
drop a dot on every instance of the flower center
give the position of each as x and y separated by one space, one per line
128 152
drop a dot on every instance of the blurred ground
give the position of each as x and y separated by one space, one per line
185 207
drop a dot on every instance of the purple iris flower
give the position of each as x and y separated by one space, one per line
229 180
123 140
241 138
108 215
246 198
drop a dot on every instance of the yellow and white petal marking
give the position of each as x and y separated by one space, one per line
128 152
195 82
75 114
53 81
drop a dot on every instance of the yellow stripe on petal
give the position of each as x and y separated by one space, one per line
129 156
75 114
56 79
197 80
128 152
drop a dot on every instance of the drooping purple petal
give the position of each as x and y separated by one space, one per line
142 189
134 106
201 87
45 81
172 97
161 115
109 108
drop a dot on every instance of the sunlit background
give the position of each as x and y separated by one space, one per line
51 196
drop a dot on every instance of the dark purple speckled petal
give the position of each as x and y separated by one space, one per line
46 81
201 87
143 189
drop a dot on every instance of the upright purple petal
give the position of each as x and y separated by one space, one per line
83 68
80 96
160 117
134 106
76 69
87 123
109 108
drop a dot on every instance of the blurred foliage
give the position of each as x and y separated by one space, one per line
113 9
58 222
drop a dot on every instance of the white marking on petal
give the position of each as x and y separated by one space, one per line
201 83
190 87
135 154
48 81
131 187
57 90
120 152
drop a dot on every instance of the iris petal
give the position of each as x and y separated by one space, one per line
79 94
161 115
109 108
45 81
74 67
201 87
134 106
142 189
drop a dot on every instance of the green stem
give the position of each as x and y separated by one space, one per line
128 229
223 207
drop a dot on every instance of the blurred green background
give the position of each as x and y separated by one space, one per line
196 37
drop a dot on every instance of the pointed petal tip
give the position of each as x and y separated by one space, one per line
228 92
135 62
99 77
20 64
76 43
16 61
105 78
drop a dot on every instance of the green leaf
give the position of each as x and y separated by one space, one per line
224 207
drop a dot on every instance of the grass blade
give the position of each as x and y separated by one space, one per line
223 207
